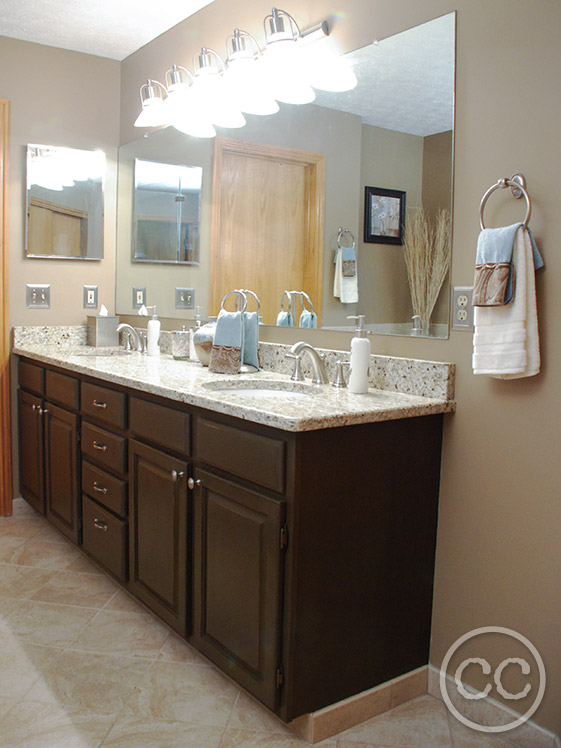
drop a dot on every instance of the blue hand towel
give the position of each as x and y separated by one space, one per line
250 353
308 318
494 276
226 353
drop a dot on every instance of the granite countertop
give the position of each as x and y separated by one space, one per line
322 406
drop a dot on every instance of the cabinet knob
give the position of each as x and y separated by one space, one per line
35 408
101 447
175 475
96 404
100 525
98 488
192 483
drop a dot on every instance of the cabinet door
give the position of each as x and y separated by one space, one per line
158 532
31 450
62 470
238 579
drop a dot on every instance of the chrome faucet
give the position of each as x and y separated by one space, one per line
319 371
132 342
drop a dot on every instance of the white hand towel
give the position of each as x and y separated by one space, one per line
506 340
344 288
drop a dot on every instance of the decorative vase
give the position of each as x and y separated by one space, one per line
203 338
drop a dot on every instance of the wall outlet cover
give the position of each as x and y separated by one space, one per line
462 308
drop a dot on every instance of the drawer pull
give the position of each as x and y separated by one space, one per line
192 483
100 525
96 404
175 475
98 488
101 447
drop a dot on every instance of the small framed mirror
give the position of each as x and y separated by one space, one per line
64 212
167 207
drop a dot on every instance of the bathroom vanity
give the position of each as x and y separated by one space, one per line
290 541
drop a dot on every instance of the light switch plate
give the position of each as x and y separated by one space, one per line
38 295
462 308
90 297
138 296
184 298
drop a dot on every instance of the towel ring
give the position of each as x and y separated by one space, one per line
244 292
238 294
517 185
343 231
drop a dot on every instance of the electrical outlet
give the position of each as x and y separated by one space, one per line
184 298
90 297
138 296
38 295
462 308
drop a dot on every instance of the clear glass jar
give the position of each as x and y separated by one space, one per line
180 343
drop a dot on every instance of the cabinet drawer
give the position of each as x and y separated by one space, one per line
104 448
61 389
165 426
105 538
260 459
31 377
104 404
105 488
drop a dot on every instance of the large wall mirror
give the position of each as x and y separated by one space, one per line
393 132
64 216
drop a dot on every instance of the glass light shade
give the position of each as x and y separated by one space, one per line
325 68
244 77
153 114
216 100
184 113
286 74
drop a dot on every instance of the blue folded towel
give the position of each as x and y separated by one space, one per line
308 318
250 354
494 265
226 353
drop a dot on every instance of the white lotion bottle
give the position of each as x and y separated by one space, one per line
360 358
153 335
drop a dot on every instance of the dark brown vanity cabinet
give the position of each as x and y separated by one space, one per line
49 446
300 563
160 560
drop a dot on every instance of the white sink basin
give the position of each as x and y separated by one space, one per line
248 390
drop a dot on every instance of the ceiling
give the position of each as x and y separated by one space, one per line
106 28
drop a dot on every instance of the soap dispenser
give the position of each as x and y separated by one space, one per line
153 335
360 358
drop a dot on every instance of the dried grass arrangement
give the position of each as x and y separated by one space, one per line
426 248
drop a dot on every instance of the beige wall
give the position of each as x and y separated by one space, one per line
67 99
499 553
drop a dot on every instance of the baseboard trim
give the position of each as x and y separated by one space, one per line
335 718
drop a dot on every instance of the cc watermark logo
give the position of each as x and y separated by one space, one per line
496 678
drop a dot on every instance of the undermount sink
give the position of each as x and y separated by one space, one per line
278 389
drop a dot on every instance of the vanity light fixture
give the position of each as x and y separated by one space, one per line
251 80
153 112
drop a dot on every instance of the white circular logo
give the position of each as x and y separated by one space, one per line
519 662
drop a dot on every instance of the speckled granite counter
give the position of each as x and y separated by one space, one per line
322 406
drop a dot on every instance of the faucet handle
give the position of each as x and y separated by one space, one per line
339 380
297 373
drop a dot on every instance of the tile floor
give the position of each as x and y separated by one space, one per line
83 665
